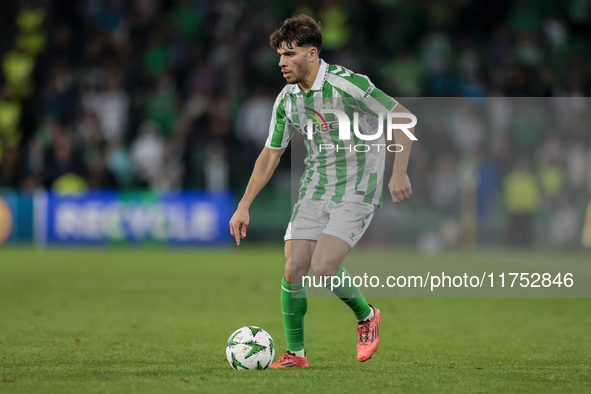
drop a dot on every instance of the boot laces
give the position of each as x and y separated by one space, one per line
285 357
363 332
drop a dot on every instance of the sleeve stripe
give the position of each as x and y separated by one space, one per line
279 129
377 100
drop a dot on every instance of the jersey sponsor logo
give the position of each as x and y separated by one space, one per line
345 124
316 119
316 127
324 126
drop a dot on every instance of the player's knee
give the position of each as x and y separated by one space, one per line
296 270
287 250
321 267
287 269
323 271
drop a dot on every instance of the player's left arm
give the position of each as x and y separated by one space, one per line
399 184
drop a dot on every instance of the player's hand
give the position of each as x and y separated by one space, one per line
239 223
399 187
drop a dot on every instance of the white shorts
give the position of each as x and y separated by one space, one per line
345 220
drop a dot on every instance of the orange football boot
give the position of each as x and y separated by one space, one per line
290 360
368 337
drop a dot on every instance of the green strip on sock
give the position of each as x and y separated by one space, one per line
351 295
294 309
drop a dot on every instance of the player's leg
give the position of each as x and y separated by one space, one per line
298 251
347 224
327 259
305 227
294 296
294 302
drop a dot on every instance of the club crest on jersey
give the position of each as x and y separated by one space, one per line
328 104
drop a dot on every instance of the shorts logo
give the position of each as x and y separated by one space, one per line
361 193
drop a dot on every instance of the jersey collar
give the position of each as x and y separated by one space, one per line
319 81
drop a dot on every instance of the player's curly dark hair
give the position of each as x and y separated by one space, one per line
301 30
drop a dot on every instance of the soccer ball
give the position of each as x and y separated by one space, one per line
250 348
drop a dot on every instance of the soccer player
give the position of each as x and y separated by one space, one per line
340 189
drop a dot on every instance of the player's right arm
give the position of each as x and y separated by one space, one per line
263 170
279 135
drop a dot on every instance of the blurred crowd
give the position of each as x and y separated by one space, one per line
525 158
170 94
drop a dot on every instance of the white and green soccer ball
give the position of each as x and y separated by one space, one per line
250 348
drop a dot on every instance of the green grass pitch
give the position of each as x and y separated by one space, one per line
156 321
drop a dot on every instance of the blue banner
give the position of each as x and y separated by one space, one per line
101 218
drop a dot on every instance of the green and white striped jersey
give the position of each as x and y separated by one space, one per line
343 173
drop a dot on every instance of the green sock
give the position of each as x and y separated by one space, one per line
351 295
294 309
